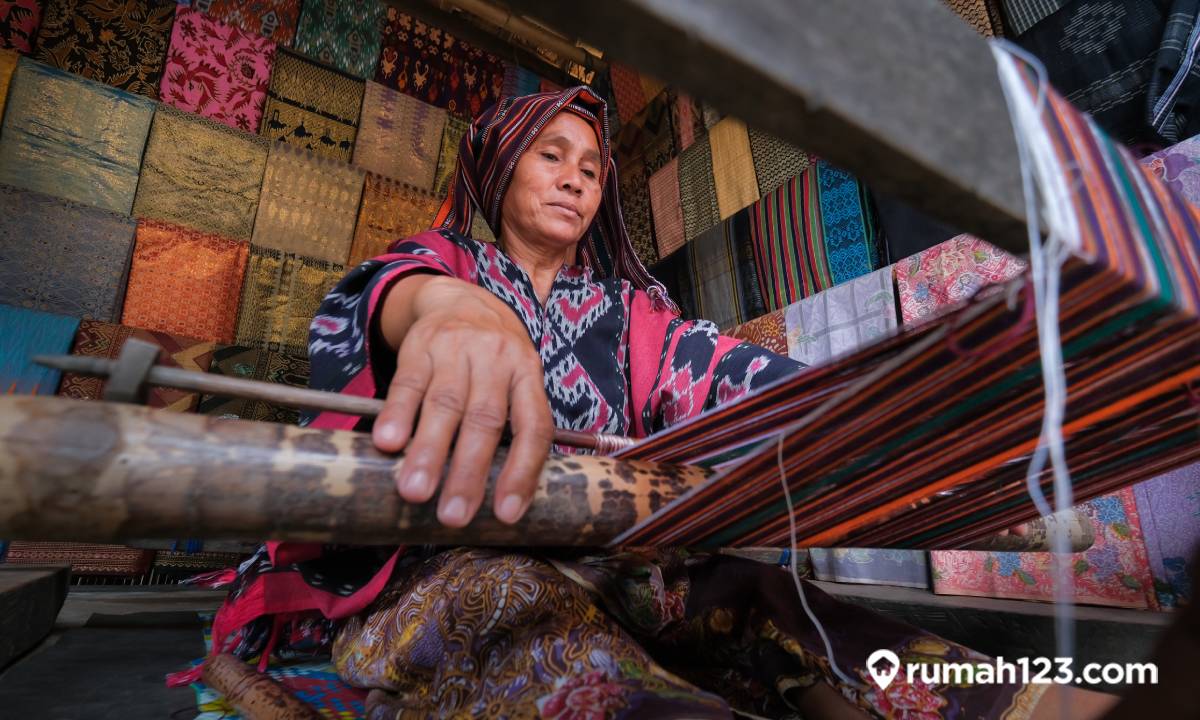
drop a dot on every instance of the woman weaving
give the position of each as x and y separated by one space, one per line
442 327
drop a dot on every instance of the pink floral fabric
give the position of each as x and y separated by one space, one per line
932 282
217 70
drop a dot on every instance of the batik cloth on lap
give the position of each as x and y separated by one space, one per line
201 174
842 319
308 205
27 333
723 274
38 233
73 138
448 156
312 106
399 136
697 189
122 43
217 70
390 211
733 166
635 209
185 282
105 340
275 20
775 160
864 566
767 331
342 33
1169 508
934 282
19 22
250 363
281 294
666 207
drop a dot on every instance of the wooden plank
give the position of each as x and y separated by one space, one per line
30 598
902 93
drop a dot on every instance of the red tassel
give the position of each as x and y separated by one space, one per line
186 677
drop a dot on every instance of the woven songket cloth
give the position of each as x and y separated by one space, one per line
863 566
249 363
275 20
698 189
185 282
438 68
399 136
733 167
281 294
312 106
389 212
19 22
73 138
216 70
27 333
84 558
985 16
38 233
635 209
722 269
308 204
767 331
342 33
448 155
1020 15
1168 507
122 43
813 232
201 174
933 282
666 208
842 319
105 340
775 160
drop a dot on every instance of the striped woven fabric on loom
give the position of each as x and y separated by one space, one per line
275 20
868 469
280 296
27 333
344 34
390 211
399 136
312 106
255 364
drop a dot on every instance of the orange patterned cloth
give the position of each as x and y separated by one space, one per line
390 211
185 282
768 331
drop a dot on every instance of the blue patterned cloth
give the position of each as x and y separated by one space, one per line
27 333
849 227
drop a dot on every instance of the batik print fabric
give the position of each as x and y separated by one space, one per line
19 22
105 340
842 319
308 204
38 233
722 270
73 138
122 43
249 363
767 331
1169 508
280 296
201 174
933 282
342 33
216 70
27 333
312 106
666 207
171 263
274 20
390 211
733 166
863 566
399 136
1179 167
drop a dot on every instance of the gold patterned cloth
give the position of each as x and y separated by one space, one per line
201 174
308 204
281 295
697 189
448 158
399 136
73 138
8 63
733 166
390 211
775 160
312 106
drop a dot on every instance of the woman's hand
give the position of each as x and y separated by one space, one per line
466 363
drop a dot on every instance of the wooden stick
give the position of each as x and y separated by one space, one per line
255 695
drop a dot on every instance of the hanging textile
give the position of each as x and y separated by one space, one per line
647 137
775 160
19 20
674 273
634 184
1169 508
767 331
983 15
722 272
666 208
862 566
216 70
1020 15
628 89
390 211
733 167
842 319
312 106
62 257
27 333
448 156
686 119
518 81
72 138
281 294
275 20
121 43
710 115
933 282
255 364
907 231
308 204
171 263
342 33
201 174
84 558
105 340
399 136
697 189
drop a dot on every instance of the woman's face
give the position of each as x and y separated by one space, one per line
555 189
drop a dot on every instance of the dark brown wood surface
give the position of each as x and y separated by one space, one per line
30 598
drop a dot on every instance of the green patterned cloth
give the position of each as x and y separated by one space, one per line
343 33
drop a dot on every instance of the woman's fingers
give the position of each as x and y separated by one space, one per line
533 434
393 426
441 413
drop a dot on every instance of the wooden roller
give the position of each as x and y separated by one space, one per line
255 695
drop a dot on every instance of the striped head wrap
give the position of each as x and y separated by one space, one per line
488 156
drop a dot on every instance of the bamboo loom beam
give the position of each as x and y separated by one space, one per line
902 93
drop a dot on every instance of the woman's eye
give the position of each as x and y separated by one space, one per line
549 156
590 174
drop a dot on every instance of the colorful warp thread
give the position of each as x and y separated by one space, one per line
399 136
105 340
62 257
172 262
255 364
27 333
275 20
73 138
312 106
863 566
216 70
390 211
448 156
84 558
19 22
666 208
201 174
775 160
842 319
767 331
8 65
1169 506
635 207
733 166
933 282
280 296
308 204
722 268
342 33
697 189
121 43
